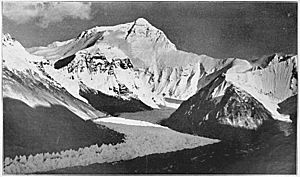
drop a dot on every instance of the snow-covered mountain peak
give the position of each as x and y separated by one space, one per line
14 55
142 21
158 65
142 29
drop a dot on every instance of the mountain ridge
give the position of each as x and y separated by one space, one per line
154 79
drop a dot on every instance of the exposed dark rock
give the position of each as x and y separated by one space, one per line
64 62
289 107
30 130
233 116
111 104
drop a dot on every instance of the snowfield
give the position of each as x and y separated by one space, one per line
119 120
26 81
172 105
142 138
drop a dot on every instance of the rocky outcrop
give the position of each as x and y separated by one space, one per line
7 40
220 110
289 107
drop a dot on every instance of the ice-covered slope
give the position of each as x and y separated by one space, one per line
271 83
105 69
24 79
137 39
159 66
98 66
64 49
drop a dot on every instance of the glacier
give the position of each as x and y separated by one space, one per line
134 66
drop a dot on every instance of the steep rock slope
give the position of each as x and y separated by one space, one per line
235 104
219 110
39 115
110 104
289 107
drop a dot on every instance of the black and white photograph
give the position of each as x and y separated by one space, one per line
149 88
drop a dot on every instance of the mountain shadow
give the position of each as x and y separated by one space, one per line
289 107
64 62
112 104
30 130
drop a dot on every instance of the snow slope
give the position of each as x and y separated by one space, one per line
24 79
158 65
270 85
106 69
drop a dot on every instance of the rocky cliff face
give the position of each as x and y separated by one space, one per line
112 104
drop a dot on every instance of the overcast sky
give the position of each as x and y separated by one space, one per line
217 29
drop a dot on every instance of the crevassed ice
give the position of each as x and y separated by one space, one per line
142 139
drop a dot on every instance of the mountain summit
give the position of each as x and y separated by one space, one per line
136 61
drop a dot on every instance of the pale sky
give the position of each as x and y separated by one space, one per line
217 29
